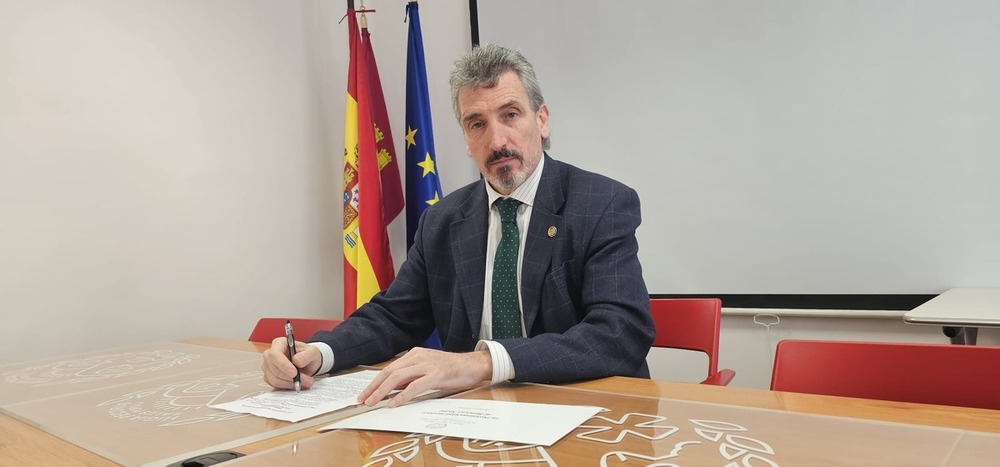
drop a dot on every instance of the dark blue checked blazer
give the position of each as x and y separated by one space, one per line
585 305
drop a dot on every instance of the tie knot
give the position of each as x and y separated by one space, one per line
508 209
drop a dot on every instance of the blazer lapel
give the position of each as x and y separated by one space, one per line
468 247
544 232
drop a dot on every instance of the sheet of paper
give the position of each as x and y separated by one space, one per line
517 422
326 395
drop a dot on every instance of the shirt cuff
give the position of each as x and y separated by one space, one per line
327 363
503 367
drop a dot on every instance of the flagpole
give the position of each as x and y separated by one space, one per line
474 21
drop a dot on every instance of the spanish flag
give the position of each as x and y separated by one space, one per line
373 195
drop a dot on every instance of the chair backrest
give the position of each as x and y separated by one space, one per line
690 324
960 375
269 328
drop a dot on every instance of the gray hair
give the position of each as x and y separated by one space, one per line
482 67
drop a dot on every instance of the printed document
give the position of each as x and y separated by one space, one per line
326 395
516 422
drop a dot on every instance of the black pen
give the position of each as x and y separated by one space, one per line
291 353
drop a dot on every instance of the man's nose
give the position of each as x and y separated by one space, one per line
498 137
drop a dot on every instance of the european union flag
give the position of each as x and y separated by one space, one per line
423 188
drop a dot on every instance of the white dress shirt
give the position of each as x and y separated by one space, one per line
503 368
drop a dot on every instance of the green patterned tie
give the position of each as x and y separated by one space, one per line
506 312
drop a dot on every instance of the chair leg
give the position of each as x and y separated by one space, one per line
961 335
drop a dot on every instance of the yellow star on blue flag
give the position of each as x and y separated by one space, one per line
427 165
434 200
410 135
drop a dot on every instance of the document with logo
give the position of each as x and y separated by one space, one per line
516 422
326 395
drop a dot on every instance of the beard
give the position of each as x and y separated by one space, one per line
507 178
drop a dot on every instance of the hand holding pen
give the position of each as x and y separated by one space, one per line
291 353
284 365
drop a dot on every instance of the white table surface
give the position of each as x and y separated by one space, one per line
974 307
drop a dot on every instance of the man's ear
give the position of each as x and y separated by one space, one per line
543 120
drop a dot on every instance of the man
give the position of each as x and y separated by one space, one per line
555 294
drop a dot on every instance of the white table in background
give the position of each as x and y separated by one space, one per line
960 311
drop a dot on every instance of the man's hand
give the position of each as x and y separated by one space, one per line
423 369
279 370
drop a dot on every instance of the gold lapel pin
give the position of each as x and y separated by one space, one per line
552 231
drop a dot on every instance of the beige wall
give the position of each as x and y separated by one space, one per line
173 169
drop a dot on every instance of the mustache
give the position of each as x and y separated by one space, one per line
497 155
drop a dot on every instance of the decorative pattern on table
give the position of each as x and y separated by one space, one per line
498 453
183 403
735 448
98 367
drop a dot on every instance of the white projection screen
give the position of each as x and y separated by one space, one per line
782 146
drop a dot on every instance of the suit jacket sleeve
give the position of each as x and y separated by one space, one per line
433 289
391 322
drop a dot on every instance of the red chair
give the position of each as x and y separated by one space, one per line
960 375
691 324
268 328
